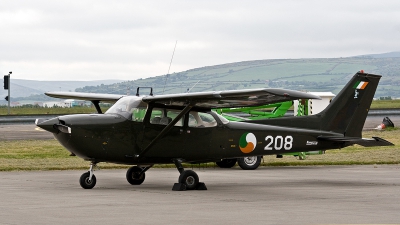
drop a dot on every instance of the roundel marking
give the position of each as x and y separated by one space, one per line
247 142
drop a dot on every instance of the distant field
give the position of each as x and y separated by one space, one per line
50 155
318 74
311 74
385 104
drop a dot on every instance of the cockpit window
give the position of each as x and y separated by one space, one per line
138 114
165 116
130 107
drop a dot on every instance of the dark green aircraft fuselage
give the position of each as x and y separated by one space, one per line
113 138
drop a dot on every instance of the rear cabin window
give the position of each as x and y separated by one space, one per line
200 119
165 116
196 119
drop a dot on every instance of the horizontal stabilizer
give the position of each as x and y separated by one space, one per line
366 142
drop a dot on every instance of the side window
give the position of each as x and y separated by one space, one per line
173 114
156 116
165 116
192 120
200 119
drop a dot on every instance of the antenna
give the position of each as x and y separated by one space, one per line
166 78
188 90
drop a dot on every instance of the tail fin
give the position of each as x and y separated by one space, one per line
348 111
346 114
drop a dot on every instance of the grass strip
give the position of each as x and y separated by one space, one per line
50 155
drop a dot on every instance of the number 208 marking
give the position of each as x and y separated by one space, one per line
278 143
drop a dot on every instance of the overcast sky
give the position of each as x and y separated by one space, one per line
94 40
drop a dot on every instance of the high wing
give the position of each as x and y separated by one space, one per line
85 96
208 100
229 99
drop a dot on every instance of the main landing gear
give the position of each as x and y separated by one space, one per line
188 180
136 175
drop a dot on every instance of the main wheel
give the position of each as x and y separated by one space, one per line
134 175
85 182
226 163
189 178
249 163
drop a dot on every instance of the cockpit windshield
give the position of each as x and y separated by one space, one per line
130 107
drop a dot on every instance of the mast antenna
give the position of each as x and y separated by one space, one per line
188 90
166 78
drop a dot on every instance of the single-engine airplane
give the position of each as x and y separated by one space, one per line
175 128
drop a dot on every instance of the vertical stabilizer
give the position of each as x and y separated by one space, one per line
349 109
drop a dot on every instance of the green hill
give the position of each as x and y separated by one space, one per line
328 74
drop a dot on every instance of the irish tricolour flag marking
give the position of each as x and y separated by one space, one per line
360 85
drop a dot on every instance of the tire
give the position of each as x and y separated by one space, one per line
249 163
134 177
84 181
226 163
189 178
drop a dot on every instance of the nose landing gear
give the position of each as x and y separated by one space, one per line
88 179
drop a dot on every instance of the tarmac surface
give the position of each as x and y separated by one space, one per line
23 132
269 195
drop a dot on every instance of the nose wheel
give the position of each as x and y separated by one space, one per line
88 179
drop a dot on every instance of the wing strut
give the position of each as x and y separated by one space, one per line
96 104
166 129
